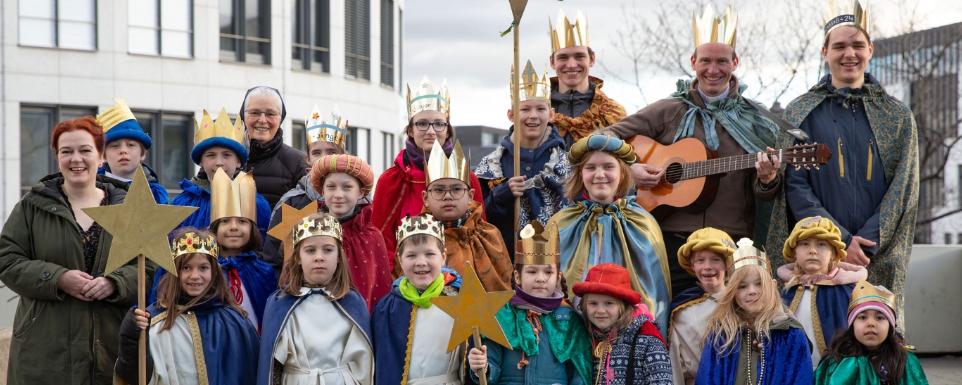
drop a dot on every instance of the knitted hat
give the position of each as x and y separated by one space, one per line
120 123
348 164
598 142
866 296
814 227
711 239
608 279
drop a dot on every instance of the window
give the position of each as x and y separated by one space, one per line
58 23
359 142
158 27
958 238
172 134
489 139
357 43
312 35
948 238
245 31
389 146
298 135
387 42
37 159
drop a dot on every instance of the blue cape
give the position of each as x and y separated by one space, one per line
787 360
831 309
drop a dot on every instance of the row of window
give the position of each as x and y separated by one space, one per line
166 28
172 135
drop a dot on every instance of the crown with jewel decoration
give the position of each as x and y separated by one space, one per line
233 197
191 242
538 245
315 226
747 254
428 97
441 166
711 28
319 130
852 13
421 224
532 86
567 33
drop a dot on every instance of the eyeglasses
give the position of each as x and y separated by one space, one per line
439 193
423 125
267 114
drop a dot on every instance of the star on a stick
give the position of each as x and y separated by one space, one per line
139 226
290 217
474 308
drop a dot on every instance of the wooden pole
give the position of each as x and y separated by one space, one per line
483 373
142 341
517 9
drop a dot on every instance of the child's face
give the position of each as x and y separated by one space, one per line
321 148
219 157
534 117
814 255
710 270
448 199
748 296
601 175
871 328
124 156
421 263
318 259
538 280
195 274
341 192
603 310
233 233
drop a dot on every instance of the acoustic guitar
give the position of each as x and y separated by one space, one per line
691 174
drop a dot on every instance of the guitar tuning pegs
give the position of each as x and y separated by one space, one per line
798 167
817 168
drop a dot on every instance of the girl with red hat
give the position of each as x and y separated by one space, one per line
628 348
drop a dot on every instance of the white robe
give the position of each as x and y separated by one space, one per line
319 345
430 362
688 327
804 316
173 352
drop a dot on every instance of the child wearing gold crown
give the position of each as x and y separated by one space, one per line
607 225
706 255
818 285
544 164
411 334
470 239
871 351
550 343
750 337
316 327
400 188
126 148
194 315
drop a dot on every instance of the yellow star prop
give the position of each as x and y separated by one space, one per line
474 308
139 226
284 230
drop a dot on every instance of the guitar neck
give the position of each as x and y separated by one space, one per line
718 166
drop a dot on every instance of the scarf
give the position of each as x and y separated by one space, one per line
540 305
742 120
421 299
415 156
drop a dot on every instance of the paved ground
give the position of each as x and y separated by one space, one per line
944 370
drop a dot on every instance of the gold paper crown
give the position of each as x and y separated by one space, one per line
233 198
853 13
220 128
532 87
567 34
319 130
747 254
315 226
114 115
421 224
710 28
440 166
538 245
428 97
866 292
192 242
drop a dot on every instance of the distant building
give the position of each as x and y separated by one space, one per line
478 141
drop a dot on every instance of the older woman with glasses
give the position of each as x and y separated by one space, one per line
400 189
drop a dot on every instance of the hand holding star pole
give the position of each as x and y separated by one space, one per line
139 227
474 310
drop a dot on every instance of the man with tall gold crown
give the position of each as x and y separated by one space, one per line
544 163
711 108
870 188
580 106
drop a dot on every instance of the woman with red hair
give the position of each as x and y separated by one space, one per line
53 256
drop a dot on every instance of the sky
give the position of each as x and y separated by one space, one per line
459 40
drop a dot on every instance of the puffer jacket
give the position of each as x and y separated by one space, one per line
276 167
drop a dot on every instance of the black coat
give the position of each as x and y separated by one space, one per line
276 167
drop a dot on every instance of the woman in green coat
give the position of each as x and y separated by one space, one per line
53 256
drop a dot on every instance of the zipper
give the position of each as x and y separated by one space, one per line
841 158
868 173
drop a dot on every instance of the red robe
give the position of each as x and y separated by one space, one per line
399 193
368 258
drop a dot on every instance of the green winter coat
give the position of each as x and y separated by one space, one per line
58 339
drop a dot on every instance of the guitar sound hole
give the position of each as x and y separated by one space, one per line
673 173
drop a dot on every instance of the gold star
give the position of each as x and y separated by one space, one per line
474 308
139 226
290 217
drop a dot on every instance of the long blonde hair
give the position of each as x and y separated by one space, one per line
726 322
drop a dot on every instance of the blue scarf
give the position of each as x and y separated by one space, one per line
738 117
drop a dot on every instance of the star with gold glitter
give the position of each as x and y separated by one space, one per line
139 226
474 308
290 217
